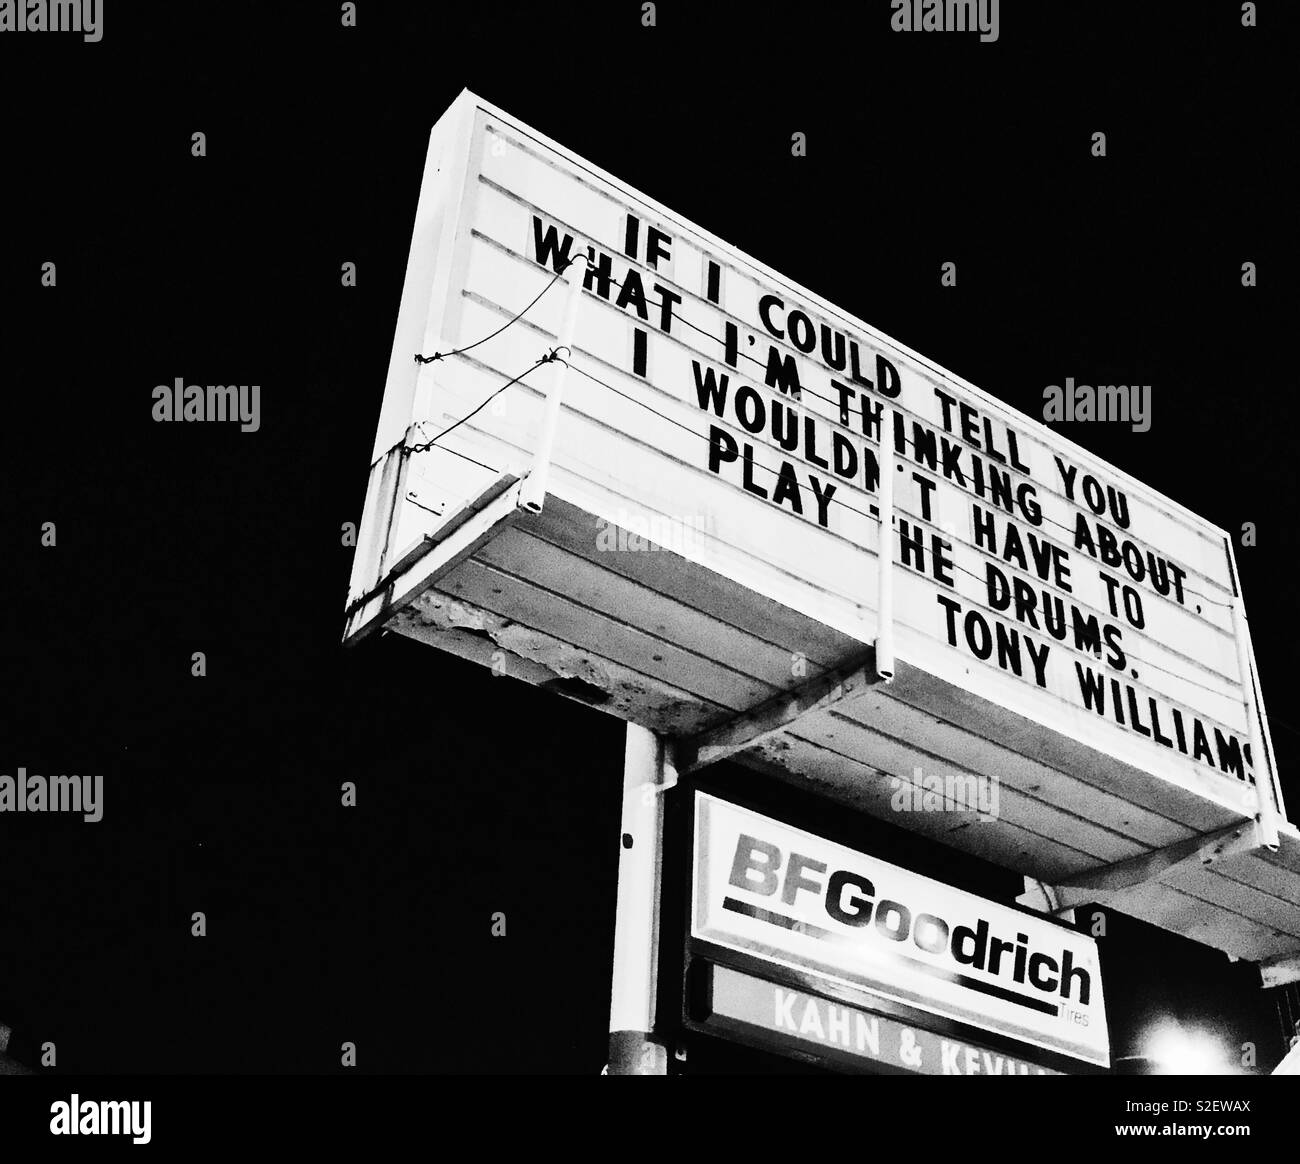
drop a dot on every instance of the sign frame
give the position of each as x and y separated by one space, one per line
811 980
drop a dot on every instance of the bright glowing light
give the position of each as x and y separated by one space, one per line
1177 1051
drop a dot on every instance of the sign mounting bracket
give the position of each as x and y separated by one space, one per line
1280 971
1108 880
778 713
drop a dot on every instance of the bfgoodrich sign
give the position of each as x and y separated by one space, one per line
767 889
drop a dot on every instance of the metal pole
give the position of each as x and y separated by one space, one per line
885 503
533 495
646 776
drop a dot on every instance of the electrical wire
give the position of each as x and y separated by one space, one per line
425 446
419 359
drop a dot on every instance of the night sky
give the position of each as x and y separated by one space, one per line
478 795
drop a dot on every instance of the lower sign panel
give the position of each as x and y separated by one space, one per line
771 891
787 1020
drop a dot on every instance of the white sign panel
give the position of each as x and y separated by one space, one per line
711 394
776 892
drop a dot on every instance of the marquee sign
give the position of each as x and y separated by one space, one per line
717 391
767 889
710 537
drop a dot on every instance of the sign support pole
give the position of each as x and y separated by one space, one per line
647 774
533 496
885 503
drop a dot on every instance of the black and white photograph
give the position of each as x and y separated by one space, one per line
733 539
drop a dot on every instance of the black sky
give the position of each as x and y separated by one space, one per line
222 793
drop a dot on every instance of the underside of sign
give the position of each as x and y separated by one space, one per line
1072 692
710 665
